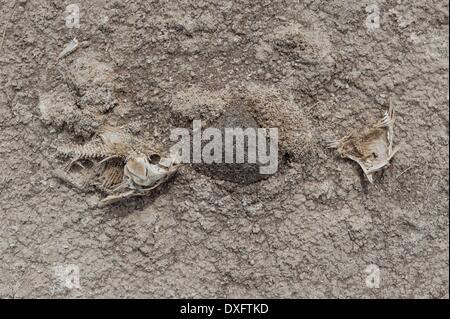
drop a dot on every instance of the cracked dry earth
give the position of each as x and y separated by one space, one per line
312 68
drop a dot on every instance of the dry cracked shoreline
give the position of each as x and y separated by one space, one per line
312 68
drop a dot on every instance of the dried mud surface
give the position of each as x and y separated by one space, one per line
311 68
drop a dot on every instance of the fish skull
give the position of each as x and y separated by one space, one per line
141 173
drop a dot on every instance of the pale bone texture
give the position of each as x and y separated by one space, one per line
121 166
371 148
69 48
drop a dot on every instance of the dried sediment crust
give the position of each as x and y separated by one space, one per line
269 107
272 109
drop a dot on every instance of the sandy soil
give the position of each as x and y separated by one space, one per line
316 69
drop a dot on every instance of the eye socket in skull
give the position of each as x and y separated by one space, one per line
154 158
141 173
